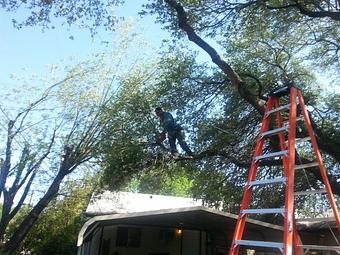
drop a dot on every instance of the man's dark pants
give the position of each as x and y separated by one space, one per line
177 134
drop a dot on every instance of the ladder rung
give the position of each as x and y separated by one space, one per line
309 192
270 162
297 167
259 244
299 118
320 247
279 92
278 109
269 181
274 132
300 140
264 211
318 220
272 155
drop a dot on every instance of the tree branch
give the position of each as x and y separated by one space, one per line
335 15
235 79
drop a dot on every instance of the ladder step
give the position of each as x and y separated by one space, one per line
259 244
272 155
278 109
299 118
264 211
270 162
300 140
269 181
297 167
274 132
320 247
309 192
279 92
315 220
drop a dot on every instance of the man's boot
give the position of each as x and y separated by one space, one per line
175 155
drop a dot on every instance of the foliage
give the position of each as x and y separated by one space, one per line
86 14
265 43
170 179
226 21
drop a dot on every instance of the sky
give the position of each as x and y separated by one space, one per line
32 50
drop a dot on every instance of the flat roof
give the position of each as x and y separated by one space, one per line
196 218
127 202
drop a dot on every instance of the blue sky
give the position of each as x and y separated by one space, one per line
32 50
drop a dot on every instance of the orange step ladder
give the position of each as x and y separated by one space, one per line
290 243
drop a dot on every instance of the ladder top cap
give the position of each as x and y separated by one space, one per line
282 91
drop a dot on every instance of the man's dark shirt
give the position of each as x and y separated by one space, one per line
168 123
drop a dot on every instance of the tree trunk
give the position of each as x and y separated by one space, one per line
6 166
5 218
13 244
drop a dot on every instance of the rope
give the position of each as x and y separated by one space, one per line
335 238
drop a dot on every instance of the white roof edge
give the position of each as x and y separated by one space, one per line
107 202
162 211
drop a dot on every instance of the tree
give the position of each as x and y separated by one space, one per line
264 47
221 104
171 180
225 19
65 214
55 135
69 152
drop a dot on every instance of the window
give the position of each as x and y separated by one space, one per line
128 237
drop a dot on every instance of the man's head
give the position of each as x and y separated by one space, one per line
158 111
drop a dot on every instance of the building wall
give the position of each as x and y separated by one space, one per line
322 237
144 240
132 240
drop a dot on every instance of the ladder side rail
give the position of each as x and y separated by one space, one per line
289 199
297 241
319 160
296 238
281 136
240 224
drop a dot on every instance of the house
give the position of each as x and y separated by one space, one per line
141 224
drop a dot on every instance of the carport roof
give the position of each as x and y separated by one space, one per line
198 218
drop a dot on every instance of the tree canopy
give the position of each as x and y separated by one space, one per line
86 14
52 135
260 48
262 45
